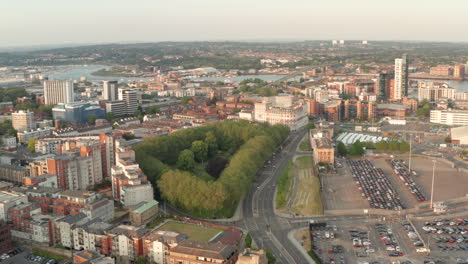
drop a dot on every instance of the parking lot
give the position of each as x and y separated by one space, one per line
374 185
18 256
336 191
445 236
377 242
449 183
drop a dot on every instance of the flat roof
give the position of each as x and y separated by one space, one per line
146 206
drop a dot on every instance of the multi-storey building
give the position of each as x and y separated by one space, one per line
195 252
90 235
130 185
322 149
442 70
78 112
459 71
250 256
23 120
6 243
156 244
57 202
13 173
9 200
449 117
130 98
77 171
110 90
383 83
358 109
285 110
332 110
62 145
401 78
56 92
143 212
433 91
25 136
126 242
117 108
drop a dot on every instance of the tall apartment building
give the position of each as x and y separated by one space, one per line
61 145
285 110
56 92
459 71
77 171
433 91
130 185
23 120
130 98
401 78
110 90
383 85
358 109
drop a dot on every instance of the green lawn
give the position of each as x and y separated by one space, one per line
194 232
304 162
305 146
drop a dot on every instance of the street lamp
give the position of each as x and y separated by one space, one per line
432 188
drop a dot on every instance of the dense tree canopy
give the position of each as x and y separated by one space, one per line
186 160
247 145
200 150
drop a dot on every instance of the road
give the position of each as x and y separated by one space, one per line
267 229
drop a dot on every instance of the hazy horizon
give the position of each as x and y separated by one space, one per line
51 22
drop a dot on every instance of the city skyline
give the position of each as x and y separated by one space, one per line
56 23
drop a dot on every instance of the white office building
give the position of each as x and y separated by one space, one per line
450 117
56 92
286 110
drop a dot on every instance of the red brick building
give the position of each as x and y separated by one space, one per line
6 243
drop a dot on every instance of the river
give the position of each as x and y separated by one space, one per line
75 72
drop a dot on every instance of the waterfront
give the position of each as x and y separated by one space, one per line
75 72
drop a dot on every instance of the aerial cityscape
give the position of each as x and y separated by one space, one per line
197 147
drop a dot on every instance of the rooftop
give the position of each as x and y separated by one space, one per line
142 207
203 249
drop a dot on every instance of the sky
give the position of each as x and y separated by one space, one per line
43 22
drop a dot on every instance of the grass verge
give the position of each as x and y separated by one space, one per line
305 146
48 255
284 186
308 200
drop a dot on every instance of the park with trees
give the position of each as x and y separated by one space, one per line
205 171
